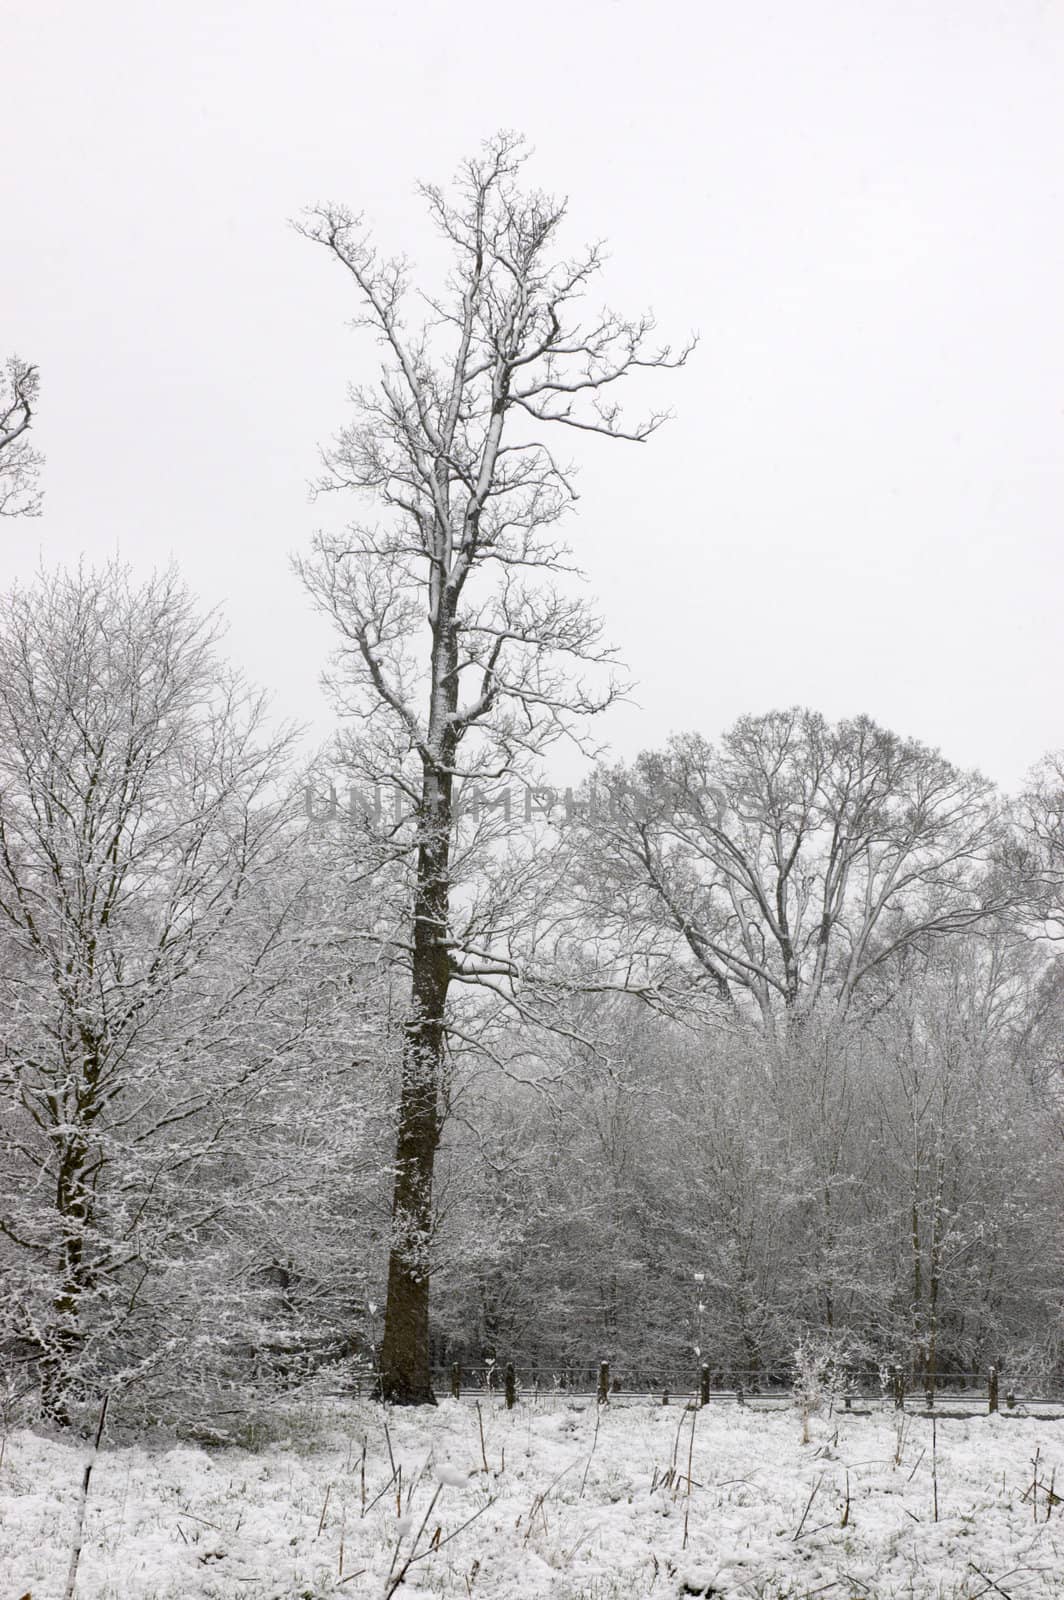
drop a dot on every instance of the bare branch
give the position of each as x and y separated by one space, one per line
19 464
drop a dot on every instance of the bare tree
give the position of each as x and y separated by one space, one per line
796 861
464 649
138 810
19 462
1042 810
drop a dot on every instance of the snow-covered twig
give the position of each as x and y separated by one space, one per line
83 1500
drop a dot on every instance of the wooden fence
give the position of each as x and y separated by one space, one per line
991 1390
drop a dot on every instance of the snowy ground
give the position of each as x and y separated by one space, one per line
574 1505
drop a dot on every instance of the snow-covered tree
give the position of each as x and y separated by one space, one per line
465 653
793 862
163 992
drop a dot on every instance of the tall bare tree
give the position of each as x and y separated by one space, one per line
796 861
20 464
464 648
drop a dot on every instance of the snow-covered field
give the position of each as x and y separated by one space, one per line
574 1505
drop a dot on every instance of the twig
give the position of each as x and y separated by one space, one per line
934 1465
192 1517
798 1531
594 1442
539 1499
413 1556
379 1496
483 1451
433 1546
987 1579
79 1532
416 1479
463 1525
579 1541
675 1450
690 1461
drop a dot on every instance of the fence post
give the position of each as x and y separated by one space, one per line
897 1384
510 1382
456 1380
604 1383
703 1385
665 1398
740 1399
992 1389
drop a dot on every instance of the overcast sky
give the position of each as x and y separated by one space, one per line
858 205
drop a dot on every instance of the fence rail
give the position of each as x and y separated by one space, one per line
996 1391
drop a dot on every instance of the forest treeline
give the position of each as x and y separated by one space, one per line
786 1014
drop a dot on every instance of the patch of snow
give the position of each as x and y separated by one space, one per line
559 1516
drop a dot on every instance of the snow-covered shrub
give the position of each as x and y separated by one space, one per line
822 1364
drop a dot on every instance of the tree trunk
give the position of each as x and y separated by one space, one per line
405 1375
55 1367
404 1360
62 1343
917 1353
405 1372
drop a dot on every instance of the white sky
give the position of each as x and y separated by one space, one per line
859 205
